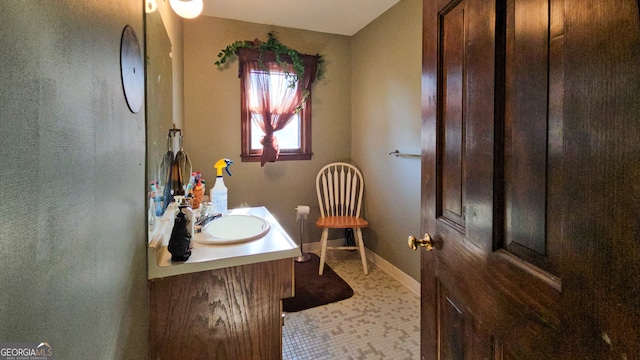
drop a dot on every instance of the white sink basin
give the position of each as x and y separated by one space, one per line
232 229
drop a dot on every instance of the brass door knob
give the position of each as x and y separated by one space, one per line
425 242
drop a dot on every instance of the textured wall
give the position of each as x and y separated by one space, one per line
212 117
386 116
72 240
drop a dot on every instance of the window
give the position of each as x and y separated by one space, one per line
275 116
289 136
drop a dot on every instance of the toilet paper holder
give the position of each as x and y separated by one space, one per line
302 212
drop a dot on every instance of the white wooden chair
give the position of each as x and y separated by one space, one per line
340 187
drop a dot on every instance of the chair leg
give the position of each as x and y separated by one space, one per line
363 256
323 249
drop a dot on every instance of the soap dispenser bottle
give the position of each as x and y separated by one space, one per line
219 190
180 241
185 208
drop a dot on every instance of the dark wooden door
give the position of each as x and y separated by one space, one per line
531 166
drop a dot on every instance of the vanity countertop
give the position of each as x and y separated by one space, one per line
275 245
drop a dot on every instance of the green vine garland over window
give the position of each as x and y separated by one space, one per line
279 49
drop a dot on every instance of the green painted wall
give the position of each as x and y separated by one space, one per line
386 115
212 117
72 160
367 105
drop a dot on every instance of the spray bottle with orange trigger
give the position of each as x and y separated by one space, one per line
219 190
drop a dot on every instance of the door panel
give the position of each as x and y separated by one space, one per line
525 134
462 335
452 328
451 117
490 302
535 142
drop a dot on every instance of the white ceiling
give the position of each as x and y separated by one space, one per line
344 17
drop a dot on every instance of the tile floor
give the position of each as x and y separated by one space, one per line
380 321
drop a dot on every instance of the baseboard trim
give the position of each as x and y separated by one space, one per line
406 280
384 265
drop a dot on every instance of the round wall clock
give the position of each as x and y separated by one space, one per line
132 69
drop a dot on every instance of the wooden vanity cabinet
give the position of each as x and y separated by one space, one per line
233 313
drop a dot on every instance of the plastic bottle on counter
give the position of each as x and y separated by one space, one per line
152 213
219 191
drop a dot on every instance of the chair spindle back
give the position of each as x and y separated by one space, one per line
339 187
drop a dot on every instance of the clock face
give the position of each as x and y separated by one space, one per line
132 69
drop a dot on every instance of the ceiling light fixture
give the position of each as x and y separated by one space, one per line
188 9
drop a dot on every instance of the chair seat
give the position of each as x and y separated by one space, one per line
342 222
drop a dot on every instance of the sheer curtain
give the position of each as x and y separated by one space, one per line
273 101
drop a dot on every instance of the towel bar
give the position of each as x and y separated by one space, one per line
398 153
